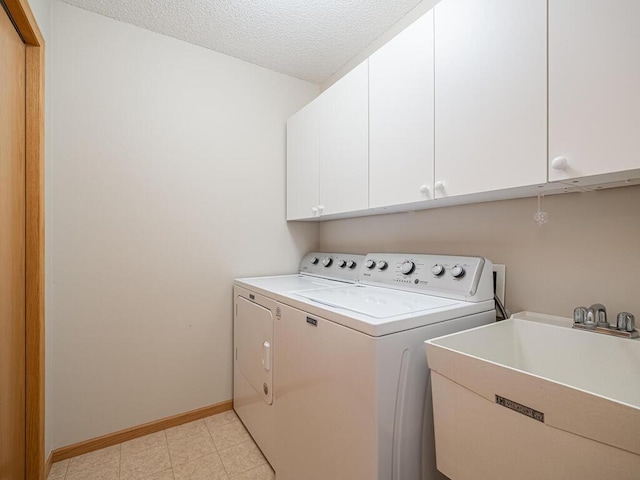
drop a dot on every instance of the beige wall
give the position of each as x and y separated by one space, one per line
588 252
168 180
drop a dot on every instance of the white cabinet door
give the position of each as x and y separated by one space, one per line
401 117
594 87
491 95
302 163
344 143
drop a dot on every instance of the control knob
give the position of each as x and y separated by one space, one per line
327 261
437 269
370 264
407 267
382 265
342 263
351 264
314 260
457 271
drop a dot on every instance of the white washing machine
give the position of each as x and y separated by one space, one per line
255 312
350 383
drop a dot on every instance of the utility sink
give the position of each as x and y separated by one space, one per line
531 397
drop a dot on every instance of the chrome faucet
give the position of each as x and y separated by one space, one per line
599 314
594 318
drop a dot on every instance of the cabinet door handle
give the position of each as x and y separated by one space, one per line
314 211
266 356
424 189
320 209
559 163
439 186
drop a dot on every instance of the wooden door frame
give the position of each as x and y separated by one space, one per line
22 16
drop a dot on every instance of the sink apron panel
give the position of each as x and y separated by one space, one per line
477 439
565 408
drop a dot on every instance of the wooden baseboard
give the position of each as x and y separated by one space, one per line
139 431
47 465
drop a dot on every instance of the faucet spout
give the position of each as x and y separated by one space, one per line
599 315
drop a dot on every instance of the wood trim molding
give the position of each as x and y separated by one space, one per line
24 20
48 464
139 431
34 263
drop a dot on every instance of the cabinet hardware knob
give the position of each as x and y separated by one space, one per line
559 163
439 186
424 189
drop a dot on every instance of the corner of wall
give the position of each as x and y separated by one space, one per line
419 10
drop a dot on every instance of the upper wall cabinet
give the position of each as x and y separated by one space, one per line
401 117
303 167
328 151
491 95
594 87
344 144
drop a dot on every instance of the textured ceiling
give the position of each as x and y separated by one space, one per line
308 39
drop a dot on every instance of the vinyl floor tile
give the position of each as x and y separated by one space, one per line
191 447
140 464
58 470
166 475
103 471
241 458
215 448
221 419
204 468
93 459
261 473
229 434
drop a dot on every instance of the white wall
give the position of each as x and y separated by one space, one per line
588 252
168 182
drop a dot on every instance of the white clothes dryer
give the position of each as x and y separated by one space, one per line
256 310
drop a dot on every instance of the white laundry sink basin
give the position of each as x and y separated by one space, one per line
572 402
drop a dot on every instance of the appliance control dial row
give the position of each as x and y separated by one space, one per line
327 261
314 260
351 264
342 263
437 269
370 264
382 265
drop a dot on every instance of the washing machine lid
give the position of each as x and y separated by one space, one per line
376 302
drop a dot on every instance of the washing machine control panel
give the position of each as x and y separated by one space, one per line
338 266
441 275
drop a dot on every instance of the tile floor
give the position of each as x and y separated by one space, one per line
214 448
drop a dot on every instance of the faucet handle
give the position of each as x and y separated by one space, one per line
626 322
600 314
579 314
